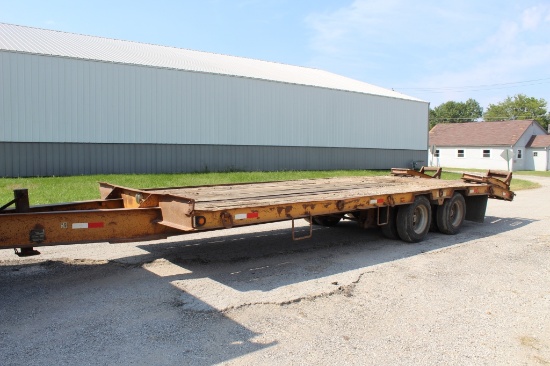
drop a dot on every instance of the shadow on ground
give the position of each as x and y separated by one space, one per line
139 309
346 247
80 312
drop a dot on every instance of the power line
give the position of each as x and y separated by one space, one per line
481 87
475 90
498 118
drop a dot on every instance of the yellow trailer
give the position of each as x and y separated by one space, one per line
405 205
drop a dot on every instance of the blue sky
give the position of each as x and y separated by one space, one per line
433 50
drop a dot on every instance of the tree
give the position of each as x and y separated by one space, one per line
519 106
456 112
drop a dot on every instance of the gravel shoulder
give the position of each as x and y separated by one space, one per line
253 296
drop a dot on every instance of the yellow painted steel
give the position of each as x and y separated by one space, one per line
20 230
132 214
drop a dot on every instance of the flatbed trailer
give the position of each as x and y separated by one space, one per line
405 205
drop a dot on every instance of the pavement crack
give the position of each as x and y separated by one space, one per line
346 290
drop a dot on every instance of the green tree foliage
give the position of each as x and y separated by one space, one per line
519 107
456 112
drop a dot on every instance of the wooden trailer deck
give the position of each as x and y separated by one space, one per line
140 214
232 196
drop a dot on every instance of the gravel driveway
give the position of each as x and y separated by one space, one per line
252 296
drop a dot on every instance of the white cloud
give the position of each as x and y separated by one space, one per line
366 22
334 32
435 44
533 16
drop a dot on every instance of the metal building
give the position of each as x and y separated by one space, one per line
75 104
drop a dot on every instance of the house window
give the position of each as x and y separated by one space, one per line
519 154
436 154
460 154
535 153
486 153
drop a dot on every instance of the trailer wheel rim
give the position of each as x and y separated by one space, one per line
456 213
420 219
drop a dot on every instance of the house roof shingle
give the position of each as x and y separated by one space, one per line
539 141
505 133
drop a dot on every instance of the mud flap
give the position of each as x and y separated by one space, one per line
475 208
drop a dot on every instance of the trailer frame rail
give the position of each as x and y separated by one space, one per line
127 214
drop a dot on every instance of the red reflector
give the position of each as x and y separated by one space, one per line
95 225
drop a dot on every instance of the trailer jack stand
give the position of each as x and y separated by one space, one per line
26 252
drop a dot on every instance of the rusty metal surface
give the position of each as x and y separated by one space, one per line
137 214
437 171
69 227
20 201
307 236
215 198
468 177
418 174
278 212
71 206
501 174
176 210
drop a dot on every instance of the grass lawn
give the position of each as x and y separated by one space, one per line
78 188
533 173
520 172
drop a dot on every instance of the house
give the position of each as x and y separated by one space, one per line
538 147
506 145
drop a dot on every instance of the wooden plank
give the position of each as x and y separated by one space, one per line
289 192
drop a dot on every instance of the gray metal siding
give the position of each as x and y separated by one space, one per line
76 46
61 159
55 99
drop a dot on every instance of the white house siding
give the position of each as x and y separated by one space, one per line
519 162
473 158
540 162
526 160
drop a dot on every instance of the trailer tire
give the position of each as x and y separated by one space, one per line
390 229
413 221
451 214
433 224
326 220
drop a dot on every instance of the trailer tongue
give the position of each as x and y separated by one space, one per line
404 205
